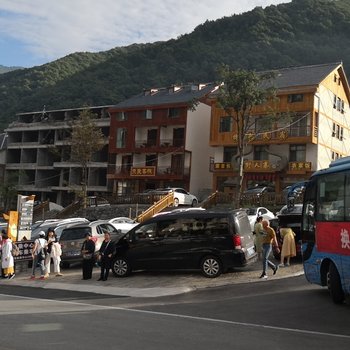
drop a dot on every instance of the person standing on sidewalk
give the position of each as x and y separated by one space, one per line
106 256
288 245
88 252
258 234
7 261
268 239
54 252
38 255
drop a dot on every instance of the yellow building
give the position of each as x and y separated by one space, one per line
311 129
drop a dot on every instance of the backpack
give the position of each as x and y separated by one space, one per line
41 251
15 250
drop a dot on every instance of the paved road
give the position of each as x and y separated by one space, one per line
275 314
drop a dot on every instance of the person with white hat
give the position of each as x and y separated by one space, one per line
38 254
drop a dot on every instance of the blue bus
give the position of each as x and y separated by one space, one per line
326 229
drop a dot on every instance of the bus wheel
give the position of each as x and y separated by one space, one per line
334 285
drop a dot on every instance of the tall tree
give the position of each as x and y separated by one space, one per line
239 92
86 139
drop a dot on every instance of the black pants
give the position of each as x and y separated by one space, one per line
88 265
106 264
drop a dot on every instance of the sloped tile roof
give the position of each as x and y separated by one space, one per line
303 76
175 95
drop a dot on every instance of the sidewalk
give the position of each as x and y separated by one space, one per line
148 284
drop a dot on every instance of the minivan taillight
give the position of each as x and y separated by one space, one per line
237 241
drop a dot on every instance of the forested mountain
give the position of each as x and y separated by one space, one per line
301 32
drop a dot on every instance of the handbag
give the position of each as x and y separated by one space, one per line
41 255
87 256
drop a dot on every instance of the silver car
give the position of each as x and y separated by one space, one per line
72 239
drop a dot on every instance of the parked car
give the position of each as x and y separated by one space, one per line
56 224
123 224
181 196
211 241
253 214
290 217
258 191
72 238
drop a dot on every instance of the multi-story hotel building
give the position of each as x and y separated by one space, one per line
312 128
161 138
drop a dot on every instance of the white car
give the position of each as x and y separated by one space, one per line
123 224
253 214
181 196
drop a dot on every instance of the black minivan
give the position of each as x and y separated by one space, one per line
210 241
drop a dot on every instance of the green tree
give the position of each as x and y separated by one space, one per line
86 139
240 91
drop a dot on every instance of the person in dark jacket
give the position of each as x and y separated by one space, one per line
105 256
87 251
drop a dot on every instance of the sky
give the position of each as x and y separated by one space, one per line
35 32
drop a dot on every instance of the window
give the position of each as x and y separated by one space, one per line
226 124
121 116
262 124
300 125
297 153
146 232
295 98
229 152
173 113
148 114
331 196
260 153
335 155
338 104
151 160
338 131
121 138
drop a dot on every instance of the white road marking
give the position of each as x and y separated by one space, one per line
206 319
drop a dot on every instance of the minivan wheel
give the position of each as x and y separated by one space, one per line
121 267
334 285
211 266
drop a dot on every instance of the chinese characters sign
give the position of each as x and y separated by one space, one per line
143 171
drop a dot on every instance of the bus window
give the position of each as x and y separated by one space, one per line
347 198
331 196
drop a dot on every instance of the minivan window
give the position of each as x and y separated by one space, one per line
145 231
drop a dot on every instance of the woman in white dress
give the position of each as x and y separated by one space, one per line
7 261
53 252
